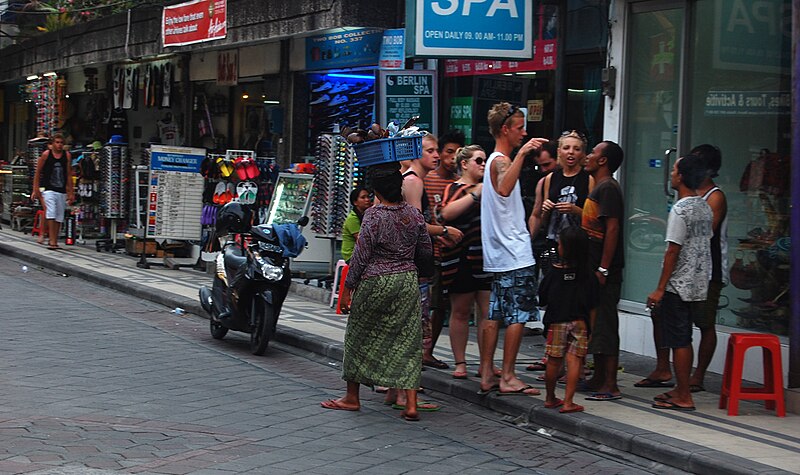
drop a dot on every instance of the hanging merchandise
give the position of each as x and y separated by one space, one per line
36 148
339 100
166 94
43 92
336 173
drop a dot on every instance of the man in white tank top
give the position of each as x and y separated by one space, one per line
507 250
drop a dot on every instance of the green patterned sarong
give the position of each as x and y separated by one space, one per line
383 340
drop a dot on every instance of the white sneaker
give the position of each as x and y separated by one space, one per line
340 99
321 99
324 87
339 87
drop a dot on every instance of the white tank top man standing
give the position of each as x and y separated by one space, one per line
507 249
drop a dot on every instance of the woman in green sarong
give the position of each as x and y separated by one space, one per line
383 341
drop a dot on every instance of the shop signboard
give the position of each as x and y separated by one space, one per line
753 36
490 91
405 94
747 103
175 203
393 51
344 48
194 22
535 110
461 115
500 29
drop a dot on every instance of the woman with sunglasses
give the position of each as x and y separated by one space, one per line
565 189
462 265
359 198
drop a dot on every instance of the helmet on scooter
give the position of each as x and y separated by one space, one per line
233 218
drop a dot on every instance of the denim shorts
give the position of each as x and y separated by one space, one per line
675 320
513 298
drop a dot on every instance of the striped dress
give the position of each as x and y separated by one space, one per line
462 265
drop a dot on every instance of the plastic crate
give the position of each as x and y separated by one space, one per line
393 149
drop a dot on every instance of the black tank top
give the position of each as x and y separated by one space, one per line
573 189
54 172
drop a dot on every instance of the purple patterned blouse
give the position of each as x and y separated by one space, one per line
390 237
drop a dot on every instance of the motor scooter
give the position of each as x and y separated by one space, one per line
646 231
252 277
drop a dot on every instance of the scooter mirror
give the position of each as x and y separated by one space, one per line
302 221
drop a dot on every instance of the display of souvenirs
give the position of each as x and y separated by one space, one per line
336 173
338 101
290 199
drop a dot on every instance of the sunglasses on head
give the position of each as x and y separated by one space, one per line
573 133
511 111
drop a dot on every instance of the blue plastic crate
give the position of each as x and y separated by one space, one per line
393 149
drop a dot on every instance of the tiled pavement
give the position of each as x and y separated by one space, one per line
97 382
756 441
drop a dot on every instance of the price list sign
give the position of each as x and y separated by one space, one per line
175 204
406 94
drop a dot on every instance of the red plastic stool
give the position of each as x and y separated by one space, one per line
772 392
345 269
38 223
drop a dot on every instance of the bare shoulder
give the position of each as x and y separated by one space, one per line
501 163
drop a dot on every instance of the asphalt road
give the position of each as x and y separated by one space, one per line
96 381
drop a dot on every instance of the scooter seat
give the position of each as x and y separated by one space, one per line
234 259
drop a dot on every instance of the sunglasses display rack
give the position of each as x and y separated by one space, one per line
335 175
44 94
114 169
36 148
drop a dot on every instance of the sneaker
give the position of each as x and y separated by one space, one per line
339 87
340 99
324 87
323 98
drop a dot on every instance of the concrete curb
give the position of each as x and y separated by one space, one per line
650 445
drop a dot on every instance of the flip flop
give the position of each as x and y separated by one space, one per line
54 248
240 164
555 404
460 375
497 373
408 418
435 364
603 397
483 392
333 404
662 397
422 406
696 388
577 408
671 406
654 383
538 366
251 168
521 391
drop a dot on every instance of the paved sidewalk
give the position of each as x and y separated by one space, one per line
706 441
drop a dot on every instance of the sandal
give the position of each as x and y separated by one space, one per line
460 374
435 364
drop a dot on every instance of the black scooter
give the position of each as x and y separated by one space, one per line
251 283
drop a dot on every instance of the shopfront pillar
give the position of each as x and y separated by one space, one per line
794 324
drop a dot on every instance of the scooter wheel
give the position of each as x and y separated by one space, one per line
218 332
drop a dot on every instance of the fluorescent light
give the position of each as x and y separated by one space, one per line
584 91
32 77
272 102
350 76
532 73
51 74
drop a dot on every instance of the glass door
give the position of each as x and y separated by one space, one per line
651 136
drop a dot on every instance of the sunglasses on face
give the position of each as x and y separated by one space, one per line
478 160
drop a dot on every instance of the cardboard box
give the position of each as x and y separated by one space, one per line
134 247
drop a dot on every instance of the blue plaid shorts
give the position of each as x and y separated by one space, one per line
513 298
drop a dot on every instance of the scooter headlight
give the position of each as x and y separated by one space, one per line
271 272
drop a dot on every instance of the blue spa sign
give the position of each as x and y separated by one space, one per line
499 29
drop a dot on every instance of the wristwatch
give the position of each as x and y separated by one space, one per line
444 231
603 271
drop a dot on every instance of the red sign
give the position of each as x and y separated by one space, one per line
194 22
544 58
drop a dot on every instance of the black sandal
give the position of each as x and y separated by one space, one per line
435 364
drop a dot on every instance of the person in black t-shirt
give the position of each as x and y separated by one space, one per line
569 291
603 218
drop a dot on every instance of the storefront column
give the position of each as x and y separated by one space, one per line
794 323
284 145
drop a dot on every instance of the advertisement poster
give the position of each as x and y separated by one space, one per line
194 22
406 94
175 203
393 50
344 49
461 115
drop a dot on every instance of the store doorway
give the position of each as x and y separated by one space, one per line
652 132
